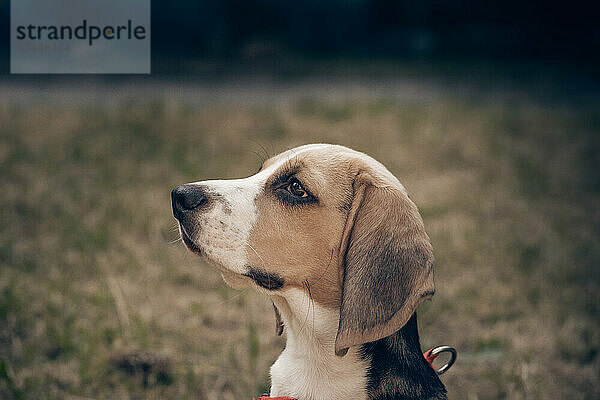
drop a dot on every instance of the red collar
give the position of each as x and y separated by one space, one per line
429 355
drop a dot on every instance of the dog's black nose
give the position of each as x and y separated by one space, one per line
187 198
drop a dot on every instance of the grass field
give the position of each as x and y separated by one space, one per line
99 300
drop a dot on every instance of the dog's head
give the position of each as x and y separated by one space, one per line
324 218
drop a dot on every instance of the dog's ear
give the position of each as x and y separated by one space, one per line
386 263
278 321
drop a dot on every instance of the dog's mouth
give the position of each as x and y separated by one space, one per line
190 243
263 279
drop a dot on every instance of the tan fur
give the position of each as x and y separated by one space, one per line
360 250
308 245
301 244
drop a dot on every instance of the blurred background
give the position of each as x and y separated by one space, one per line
487 112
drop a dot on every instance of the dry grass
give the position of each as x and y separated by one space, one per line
97 301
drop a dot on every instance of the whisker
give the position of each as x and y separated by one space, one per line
306 286
179 239
232 297
272 149
258 255
266 153
312 301
262 157
328 264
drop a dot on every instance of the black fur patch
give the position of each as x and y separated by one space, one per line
264 279
398 369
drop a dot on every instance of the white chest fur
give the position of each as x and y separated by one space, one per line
308 368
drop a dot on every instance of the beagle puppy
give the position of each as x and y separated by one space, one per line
331 236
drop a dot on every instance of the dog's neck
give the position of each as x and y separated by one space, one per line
398 369
308 369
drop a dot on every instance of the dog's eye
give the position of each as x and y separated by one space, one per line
296 188
290 191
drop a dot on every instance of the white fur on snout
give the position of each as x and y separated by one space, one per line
222 231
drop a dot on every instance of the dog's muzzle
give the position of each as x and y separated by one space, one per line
187 199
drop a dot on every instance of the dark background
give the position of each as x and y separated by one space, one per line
275 34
